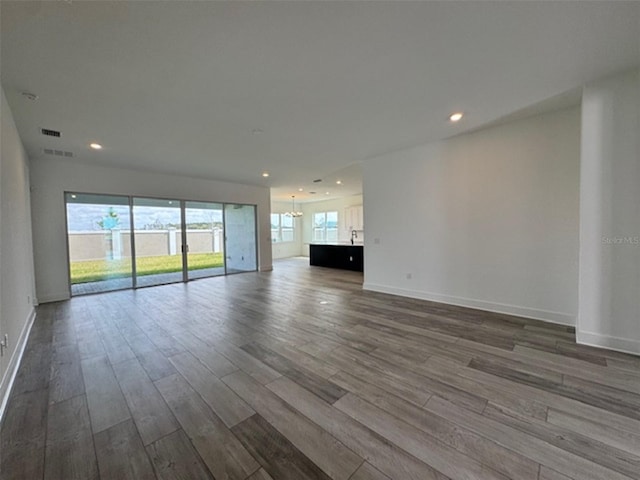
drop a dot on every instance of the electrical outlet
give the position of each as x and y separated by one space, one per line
409 276
28 299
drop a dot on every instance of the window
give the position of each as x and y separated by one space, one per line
282 228
286 228
172 240
275 227
325 227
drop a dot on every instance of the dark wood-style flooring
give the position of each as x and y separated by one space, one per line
299 374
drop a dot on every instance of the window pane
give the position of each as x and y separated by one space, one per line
240 224
287 221
275 227
319 220
332 234
99 240
287 235
205 238
332 219
158 241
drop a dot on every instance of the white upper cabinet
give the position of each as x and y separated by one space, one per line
354 218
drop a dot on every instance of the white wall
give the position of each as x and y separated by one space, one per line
486 220
610 214
333 205
51 178
288 249
16 254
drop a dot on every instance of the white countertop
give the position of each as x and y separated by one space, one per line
339 244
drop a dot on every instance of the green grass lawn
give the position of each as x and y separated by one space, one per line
97 270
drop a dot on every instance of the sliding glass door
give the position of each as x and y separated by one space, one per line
98 239
118 242
240 245
158 241
205 239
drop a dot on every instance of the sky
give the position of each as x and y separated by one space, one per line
83 217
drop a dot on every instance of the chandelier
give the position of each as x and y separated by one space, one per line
293 213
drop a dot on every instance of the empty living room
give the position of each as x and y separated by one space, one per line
346 240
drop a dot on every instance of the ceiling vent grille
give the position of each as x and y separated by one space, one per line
50 133
57 153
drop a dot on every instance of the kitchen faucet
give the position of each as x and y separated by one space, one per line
354 235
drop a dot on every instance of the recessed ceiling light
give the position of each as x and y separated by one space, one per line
339 182
95 146
326 193
265 174
456 117
301 189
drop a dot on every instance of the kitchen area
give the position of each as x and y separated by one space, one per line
329 232
345 250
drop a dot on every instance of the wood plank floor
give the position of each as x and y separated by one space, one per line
299 374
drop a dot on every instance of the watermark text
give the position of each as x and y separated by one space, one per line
621 240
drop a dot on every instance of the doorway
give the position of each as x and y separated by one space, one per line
157 235
204 224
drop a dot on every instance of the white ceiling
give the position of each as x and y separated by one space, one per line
178 87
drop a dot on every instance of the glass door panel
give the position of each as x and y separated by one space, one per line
240 245
205 239
99 242
158 241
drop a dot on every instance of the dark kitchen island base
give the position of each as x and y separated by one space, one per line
345 257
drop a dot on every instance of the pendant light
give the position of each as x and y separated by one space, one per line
293 213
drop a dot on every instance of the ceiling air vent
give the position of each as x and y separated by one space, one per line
317 180
50 133
57 153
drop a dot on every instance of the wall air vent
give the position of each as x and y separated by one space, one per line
57 153
317 180
50 133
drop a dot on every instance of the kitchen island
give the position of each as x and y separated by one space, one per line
337 255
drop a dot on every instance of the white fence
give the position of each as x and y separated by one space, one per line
115 244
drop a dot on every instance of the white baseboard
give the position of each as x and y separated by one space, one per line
53 297
536 314
624 345
14 362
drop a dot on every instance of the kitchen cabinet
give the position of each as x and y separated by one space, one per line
345 257
354 218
